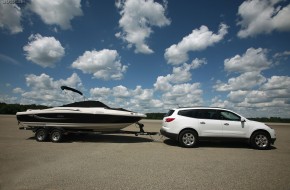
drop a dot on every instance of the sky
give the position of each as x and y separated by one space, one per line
148 56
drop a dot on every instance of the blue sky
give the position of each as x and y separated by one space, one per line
148 56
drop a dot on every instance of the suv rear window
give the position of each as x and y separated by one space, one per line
169 113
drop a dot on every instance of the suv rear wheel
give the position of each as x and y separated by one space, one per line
188 138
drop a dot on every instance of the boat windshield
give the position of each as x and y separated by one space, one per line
92 104
87 104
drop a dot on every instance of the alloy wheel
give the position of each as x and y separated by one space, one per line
261 141
188 139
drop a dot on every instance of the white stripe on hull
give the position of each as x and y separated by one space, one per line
91 126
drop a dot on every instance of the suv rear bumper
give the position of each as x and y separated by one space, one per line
168 135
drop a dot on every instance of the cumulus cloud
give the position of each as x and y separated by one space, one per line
175 89
277 82
18 90
44 51
217 102
183 95
267 98
44 81
252 60
101 94
137 99
162 83
10 17
45 89
121 92
59 12
144 100
262 16
256 96
143 94
270 108
137 19
104 64
282 56
245 81
145 104
276 89
196 63
275 105
249 65
198 40
182 74
237 96
96 92
8 99
179 75
252 93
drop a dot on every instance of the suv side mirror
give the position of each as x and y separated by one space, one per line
243 119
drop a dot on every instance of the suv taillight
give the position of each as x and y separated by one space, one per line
169 119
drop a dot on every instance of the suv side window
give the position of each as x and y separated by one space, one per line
187 113
226 115
207 114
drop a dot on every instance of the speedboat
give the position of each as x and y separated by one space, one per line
83 115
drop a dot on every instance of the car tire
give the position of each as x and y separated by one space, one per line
260 140
188 139
41 135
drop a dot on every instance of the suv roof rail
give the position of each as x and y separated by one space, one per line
201 107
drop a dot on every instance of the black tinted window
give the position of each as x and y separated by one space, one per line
207 114
187 113
169 113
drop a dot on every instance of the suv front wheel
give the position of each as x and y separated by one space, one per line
188 138
260 140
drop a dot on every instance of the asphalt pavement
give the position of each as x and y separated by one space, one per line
118 161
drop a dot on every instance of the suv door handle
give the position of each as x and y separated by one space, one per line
202 122
226 124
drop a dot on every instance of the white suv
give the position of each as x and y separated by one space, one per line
189 125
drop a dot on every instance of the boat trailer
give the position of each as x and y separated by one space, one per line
56 134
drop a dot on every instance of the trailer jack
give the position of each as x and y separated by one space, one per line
141 126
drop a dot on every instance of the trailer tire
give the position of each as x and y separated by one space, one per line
56 135
41 135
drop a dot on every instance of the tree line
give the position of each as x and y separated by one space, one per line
271 119
157 116
11 109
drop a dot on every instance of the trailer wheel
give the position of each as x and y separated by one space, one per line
41 135
56 135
